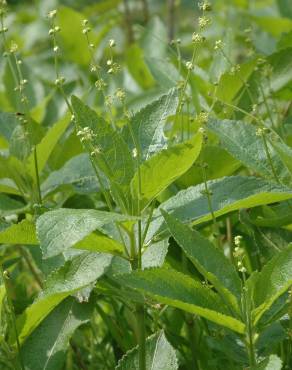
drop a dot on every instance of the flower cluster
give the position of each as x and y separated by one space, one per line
86 134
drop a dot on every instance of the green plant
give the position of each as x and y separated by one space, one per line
146 187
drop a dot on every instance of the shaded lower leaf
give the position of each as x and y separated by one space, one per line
46 346
209 260
274 279
159 355
77 172
76 274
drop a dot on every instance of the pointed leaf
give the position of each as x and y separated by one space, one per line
164 168
228 194
159 355
148 125
60 229
274 279
208 259
46 347
175 289
240 139
77 172
76 274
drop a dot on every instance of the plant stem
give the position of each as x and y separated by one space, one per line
269 158
145 10
140 316
128 22
11 309
171 19
37 175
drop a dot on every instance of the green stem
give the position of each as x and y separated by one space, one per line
37 175
140 316
11 309
269 158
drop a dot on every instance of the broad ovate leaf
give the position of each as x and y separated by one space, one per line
163 168
147 125
60 229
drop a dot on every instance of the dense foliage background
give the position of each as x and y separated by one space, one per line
163 211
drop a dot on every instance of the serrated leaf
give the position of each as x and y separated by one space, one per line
228 194
175 289
148 125
21 233
60 229
208 259
77 172
240 139
46 347
76 274
163 168
159 355
274 279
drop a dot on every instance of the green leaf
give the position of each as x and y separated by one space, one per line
77 172
114 158
9 205
228 194
73 41
282 65
24 138
208 259
155 254
220 163
47 145
175 289
46 346
21 233
273 362
138 68
148 124
76 274
100 243
61 229
274 279
8 122
240 139
274 25
285 153
285 7
231 83
163 168
159 355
